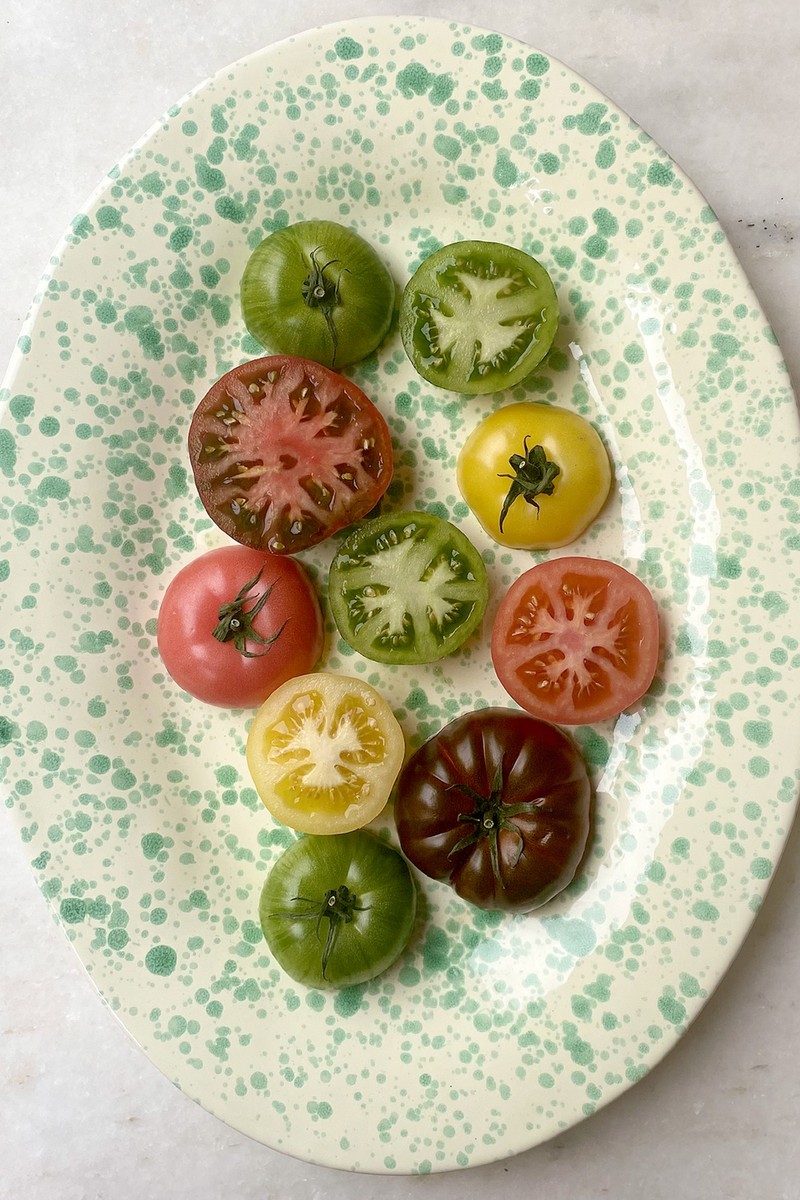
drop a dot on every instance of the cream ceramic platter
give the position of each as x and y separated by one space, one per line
132 800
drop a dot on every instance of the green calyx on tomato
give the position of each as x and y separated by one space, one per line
338 907
477 317
337 911
407 588
491 816
534 475
323 293
237 623
317 289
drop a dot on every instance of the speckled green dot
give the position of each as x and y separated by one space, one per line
161 960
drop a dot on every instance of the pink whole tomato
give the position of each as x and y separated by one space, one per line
236 623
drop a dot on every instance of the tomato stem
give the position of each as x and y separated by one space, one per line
534 475
319 292
488 818
236 622
338 906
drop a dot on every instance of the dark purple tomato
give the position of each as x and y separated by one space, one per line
497 804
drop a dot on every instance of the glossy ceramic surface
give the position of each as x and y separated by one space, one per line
491 1033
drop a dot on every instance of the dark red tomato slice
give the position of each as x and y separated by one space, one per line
235 624
498 805
286 452
576 640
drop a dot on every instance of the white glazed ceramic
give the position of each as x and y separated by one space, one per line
133 800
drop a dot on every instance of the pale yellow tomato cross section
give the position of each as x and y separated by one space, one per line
324 751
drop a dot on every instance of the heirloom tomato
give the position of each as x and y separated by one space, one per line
337 911
236 623
497 804
576 640
324 751
407 588
534 475
317 289
285 452
476 317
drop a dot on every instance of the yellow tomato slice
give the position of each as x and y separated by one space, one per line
324 751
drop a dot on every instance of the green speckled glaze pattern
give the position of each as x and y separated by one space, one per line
492 1033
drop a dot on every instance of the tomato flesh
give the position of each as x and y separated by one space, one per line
498 805
407 588
324 751
285 453
338 911
478 316
286 633
576 640
319 290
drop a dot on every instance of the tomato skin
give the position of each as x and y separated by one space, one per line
490 474
576 640
285 452
381 922
280 306
216 672
388 576
476 317
324 751
539 847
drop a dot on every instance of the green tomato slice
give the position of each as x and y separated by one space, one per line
337 911
477 317
407 588
318 290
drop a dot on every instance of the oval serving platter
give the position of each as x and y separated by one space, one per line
132 800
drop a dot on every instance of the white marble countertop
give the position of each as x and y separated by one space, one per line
83 1113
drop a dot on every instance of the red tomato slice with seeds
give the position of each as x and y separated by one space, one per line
286 452
576 640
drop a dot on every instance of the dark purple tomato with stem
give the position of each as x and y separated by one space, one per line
497 804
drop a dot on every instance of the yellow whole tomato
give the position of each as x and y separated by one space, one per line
535 475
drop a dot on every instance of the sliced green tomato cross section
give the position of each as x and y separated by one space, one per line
407 588
464 333
478 316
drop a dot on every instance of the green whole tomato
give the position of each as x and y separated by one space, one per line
338 910
318 290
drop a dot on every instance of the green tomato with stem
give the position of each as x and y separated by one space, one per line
318 290
337 910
